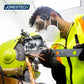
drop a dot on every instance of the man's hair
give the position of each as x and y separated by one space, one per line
39 11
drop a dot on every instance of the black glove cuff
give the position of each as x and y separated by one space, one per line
81 56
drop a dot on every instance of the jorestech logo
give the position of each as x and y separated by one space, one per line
16 7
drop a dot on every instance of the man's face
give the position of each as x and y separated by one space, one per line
40 24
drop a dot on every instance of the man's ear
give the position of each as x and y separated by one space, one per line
53 16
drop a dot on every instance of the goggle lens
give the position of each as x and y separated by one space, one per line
40 24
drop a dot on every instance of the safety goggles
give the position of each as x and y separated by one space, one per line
40 24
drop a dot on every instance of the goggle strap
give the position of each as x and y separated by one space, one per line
45 25
50 21
57 23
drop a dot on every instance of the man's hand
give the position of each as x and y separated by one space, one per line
81 56
50 58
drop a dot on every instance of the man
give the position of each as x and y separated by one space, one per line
65 70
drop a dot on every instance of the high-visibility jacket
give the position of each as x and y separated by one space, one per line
73 66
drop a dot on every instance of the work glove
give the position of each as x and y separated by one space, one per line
81 55
49 58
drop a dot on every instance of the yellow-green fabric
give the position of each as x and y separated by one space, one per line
77 65
60 45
